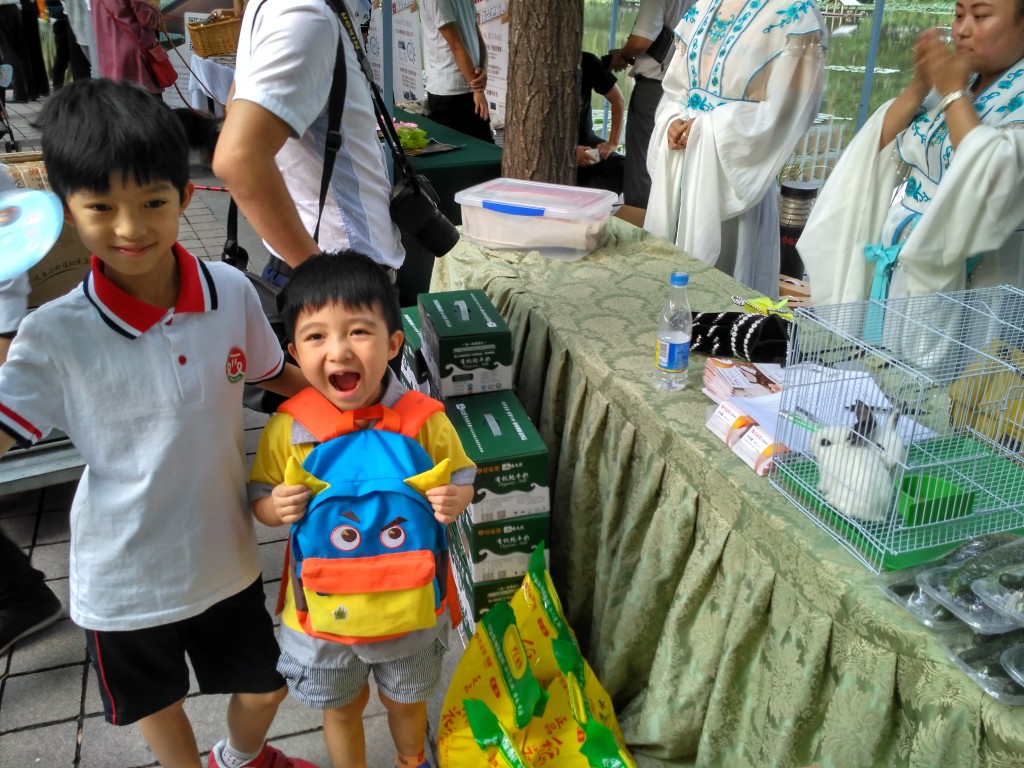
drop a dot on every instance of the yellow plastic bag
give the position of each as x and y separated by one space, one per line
988 396
493 715
578 728
540 618
494 671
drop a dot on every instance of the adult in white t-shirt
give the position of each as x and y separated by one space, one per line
271 148
456 67
649 48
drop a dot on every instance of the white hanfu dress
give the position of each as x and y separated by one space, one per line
916 216
751 72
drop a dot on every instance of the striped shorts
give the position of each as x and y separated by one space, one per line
407 680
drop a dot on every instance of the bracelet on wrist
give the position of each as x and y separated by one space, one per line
949 98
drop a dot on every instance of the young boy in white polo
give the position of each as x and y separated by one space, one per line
142 365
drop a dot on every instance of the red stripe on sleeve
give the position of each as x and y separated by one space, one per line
25 425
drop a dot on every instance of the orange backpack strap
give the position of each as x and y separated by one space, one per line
414 409
324 421
315 412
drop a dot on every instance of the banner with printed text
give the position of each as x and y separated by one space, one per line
406 49
492 15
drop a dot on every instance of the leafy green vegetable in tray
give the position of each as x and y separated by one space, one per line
961 578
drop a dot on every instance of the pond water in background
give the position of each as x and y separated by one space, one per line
849 40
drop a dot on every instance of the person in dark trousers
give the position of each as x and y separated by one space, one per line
456 60
598 164
27 605
38 84
647 51
69 52
12 49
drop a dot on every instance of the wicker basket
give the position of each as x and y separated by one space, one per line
216 38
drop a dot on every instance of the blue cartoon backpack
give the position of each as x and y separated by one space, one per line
368 561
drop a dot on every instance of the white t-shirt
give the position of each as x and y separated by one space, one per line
443 75
285 63
652 16
160 525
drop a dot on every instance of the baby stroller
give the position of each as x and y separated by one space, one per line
6 132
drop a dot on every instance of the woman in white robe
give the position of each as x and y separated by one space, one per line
930 190
744 87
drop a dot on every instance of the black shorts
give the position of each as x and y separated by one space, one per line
231 646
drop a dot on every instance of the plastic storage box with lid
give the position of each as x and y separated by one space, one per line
560 222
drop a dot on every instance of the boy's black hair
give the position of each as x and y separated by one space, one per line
94 127
347 277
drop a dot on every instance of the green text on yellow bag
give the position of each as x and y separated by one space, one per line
539 617
578 728
494 671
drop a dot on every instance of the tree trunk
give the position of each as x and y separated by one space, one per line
542 109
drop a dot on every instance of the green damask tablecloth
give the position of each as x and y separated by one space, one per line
727 627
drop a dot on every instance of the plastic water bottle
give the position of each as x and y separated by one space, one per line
672 355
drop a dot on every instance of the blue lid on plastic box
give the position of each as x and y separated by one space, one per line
534 198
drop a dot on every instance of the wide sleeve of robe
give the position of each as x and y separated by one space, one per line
979 204
849 212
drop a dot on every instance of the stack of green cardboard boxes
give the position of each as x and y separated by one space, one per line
459 350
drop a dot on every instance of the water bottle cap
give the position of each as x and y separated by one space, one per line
680 279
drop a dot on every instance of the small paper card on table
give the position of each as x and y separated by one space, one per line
729 423
756 448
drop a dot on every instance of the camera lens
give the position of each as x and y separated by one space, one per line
415 211
438 234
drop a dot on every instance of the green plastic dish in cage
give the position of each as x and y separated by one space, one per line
925 499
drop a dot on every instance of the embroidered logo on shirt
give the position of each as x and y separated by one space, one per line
235 365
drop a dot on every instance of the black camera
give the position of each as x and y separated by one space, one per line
414 209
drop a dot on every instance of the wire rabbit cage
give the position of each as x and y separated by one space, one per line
902 422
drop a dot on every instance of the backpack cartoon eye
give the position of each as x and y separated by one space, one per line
368 561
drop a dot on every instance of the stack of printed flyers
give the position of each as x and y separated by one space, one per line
725 379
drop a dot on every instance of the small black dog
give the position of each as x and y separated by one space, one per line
202 130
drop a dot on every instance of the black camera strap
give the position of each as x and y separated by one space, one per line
335 107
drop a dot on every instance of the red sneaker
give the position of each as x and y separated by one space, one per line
269 757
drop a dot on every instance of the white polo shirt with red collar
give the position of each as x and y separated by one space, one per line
152 398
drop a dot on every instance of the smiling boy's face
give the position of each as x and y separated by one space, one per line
344 352
130 228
